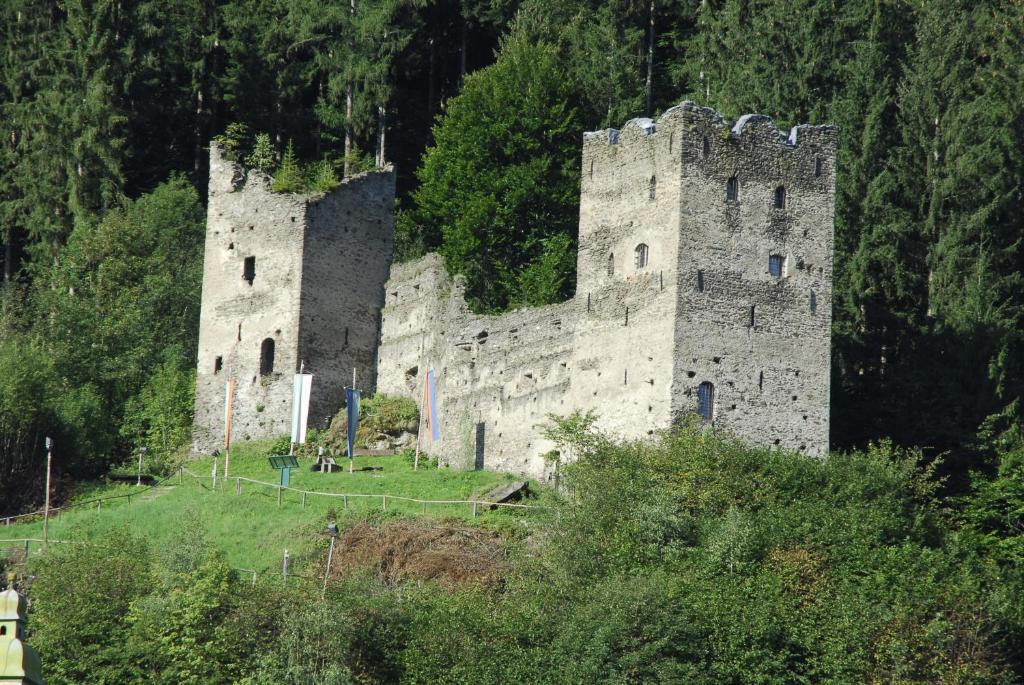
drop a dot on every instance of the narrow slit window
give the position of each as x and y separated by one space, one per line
732 190
706 148
249 270
780 198
640 254
652 187
817 166
611 264
267 357
760 380
814 302
706 400
218 364
776 265
700 280
750 321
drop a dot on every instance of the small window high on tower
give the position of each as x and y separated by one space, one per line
706 401
267 357
249 270
780 198
732 190
641 256
611 264
776 265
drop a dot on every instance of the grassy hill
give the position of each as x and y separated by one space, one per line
251 528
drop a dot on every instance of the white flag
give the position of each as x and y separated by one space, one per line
300 406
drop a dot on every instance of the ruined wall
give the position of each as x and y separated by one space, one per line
673 290
346 260
497 377
643 332
320 266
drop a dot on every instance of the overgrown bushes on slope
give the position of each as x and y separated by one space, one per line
690 558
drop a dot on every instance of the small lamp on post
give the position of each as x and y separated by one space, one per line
142 453
332 530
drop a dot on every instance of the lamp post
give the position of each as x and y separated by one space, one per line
138 480
46 513
332 530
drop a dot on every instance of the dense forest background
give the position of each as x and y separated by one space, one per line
108 106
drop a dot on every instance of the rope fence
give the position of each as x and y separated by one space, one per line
181 471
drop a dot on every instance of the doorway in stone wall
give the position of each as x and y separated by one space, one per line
478 462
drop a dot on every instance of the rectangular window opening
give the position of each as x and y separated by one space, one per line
249 270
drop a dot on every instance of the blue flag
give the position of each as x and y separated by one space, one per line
352 398
435 425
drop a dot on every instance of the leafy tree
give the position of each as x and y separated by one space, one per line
81 600
288 178
503 178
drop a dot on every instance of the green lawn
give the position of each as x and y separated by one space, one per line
251 529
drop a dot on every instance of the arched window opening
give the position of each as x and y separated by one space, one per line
640 254
817 166
267 357
611 264
653 187
706 401
732 190
776 265
780 197
706 149
249 270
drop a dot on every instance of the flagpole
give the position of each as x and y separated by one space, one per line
419 425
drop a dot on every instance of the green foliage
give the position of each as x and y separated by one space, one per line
262 158
236 141
499 188
288 178
81 601
160 416
322 177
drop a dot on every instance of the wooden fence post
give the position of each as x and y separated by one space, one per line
384 500
238 486
346 501
303 499
474 508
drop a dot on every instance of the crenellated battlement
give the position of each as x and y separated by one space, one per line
687 118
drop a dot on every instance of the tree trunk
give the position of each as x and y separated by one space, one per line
430 79
349 86
462 54
650 61
8 256
197 158
382 125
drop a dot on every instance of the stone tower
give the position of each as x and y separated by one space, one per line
287 280
705 261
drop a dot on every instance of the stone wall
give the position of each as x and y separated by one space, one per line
320 266
641 334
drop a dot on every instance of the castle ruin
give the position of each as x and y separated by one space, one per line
704 287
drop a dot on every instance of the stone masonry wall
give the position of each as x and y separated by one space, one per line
320 266
638 338
673 290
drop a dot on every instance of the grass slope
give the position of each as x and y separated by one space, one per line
251 529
